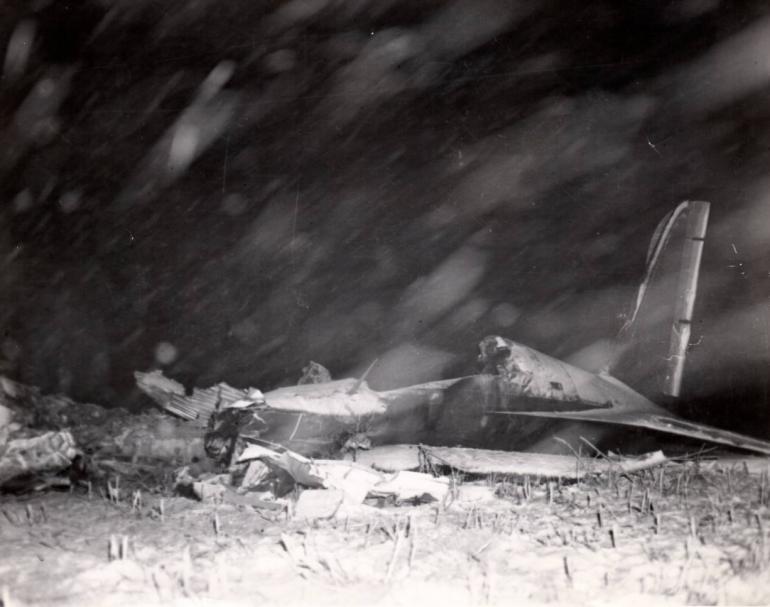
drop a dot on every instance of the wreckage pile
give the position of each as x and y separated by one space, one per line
245 457
246 439
51 441
345 445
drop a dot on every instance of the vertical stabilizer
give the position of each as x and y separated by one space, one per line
687 288
653 342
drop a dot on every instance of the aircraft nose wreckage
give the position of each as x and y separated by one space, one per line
487 410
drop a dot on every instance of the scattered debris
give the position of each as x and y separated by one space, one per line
355 481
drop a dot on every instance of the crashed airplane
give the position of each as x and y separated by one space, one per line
487 410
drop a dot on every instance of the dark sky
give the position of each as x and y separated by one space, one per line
230 189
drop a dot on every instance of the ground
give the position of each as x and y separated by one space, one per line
690 533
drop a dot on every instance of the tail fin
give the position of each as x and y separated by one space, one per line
654 339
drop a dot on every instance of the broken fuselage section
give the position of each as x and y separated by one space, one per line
491 410
533 384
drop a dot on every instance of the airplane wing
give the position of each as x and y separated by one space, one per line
661 423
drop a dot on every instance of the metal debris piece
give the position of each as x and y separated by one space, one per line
170 395
158 387
6 426
254 476
6 415
357 442
407 485
315 504
314 373
206 487
253 397
208 491
332 399
390 458
45 452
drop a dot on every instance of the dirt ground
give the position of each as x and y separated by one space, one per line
691 533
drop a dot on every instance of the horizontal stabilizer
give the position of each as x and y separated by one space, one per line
653 421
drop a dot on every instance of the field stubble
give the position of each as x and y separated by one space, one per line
689 533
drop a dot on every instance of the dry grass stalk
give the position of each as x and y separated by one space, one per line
186 571
113 552
394 555
136 500
413 540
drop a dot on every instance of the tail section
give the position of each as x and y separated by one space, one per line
686 290
655 337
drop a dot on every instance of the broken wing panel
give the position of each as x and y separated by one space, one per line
488 461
